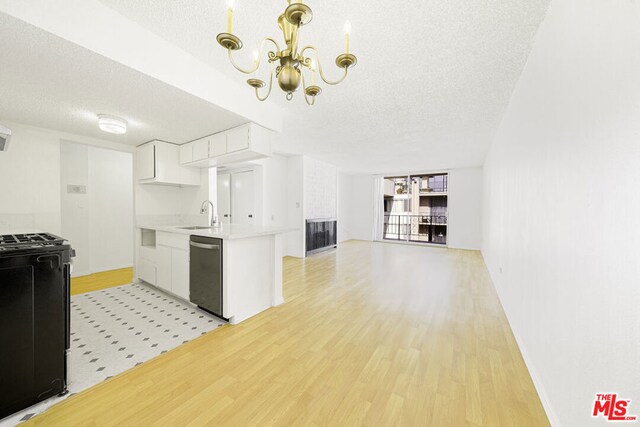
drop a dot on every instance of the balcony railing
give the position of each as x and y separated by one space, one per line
416 228
439 184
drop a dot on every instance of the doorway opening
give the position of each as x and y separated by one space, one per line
416 208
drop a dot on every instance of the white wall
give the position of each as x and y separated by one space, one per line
74 210
465 209
30 181
294 245
99 222
357 206
345 210
110 193
562 208
320 189
271 177
30 177
275 187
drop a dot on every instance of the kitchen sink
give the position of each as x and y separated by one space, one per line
195 227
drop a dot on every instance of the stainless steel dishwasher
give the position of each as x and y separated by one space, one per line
205 274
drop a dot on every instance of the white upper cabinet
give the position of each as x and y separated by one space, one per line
238 139
186 153
158 162
218 144
243 143
146 161
200 149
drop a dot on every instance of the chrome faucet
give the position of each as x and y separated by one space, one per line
203 209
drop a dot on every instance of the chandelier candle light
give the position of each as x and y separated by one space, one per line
292 60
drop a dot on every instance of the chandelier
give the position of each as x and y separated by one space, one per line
291 60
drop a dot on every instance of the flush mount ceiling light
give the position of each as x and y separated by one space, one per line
292 59
112 124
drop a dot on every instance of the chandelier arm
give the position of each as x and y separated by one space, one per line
256 64
313 100
269 90
272 41
308 65
304 91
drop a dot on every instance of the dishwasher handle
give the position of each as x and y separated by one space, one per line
205 246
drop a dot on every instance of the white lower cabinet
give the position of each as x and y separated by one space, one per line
180 273
147 271
173 265
163 261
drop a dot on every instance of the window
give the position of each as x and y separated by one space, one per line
415 208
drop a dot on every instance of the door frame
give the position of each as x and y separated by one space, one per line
449 173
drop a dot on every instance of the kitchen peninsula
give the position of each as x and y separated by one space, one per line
243 264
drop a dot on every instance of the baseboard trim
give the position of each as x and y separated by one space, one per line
537 382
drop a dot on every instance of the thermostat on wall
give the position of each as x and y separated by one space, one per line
76 189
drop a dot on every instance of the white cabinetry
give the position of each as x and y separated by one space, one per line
146 255
173 264
200 149
238 139
163 280
186 153
180 273
218 144
147 271
158 162
240 144
146 161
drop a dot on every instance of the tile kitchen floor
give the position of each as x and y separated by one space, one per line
115 329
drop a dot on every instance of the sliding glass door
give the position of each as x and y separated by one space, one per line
415 208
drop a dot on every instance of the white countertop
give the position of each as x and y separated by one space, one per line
224 231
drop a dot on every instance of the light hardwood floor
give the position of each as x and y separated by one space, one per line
371 334
102 280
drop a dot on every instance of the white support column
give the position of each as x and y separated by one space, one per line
277 298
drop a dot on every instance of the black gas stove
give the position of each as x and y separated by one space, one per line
35 271
22 242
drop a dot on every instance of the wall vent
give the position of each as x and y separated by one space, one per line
5 136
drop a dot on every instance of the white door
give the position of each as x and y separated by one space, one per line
242 197
224 198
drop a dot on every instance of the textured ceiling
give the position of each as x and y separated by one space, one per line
431 85
49 82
